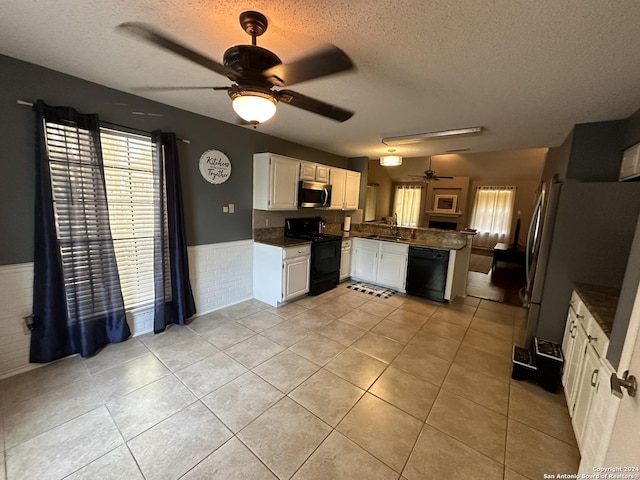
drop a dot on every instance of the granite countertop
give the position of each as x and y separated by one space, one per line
602 303
282 241
434 242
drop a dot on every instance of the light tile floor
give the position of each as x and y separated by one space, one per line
340 386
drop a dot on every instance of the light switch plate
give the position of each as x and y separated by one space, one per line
225 209
232 208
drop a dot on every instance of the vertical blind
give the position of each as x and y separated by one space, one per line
492 215
407 200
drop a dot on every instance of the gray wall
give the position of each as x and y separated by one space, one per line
592 152
596 152
592 237
625 304
205 221
361 164
557 161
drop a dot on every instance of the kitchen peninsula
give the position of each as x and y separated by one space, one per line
379 258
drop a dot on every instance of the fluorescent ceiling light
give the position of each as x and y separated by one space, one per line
420 137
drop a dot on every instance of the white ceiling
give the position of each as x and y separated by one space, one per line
525 70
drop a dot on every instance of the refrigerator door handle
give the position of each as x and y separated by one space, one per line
528 251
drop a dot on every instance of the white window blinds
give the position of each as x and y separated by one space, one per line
129 178
81 216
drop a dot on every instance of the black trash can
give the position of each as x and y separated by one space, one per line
524 364
549 360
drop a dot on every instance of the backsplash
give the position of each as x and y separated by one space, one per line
272 219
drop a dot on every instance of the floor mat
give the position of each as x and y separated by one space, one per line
480 263
372 290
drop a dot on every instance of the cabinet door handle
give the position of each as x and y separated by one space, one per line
593 380
581 317
573 335
595 339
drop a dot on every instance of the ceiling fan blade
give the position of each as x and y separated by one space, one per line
174 89
150 34
441 176
315 106
324 62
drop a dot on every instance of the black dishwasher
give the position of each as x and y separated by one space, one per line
427 272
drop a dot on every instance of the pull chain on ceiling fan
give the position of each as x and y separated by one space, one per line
255 71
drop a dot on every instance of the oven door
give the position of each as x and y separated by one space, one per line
325 258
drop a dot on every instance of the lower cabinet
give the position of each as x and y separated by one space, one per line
345 259
380 262
584 346
280 274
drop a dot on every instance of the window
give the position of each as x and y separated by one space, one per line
126 215
492 215
406 205
129 178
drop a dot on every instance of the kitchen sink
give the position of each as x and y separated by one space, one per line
388 238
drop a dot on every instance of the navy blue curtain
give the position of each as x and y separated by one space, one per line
77 301
173 295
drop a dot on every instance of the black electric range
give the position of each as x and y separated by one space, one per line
325 252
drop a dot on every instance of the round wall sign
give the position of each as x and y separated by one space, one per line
215 166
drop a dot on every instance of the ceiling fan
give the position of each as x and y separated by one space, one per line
429 175
255 71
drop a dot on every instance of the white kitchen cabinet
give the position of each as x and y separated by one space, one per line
275 182
280 274
630 166
352 190
585 389
574 364
392 265
345 259
584 346
345 189
364 262
314 172
379 262
295 279
338 180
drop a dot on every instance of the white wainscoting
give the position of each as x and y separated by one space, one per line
221 275
16 298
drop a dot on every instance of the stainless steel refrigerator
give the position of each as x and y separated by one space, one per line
580 232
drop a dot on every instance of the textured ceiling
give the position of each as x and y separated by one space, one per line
525 70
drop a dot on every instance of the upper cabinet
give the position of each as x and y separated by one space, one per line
275 182
345 189
314 172
276 177
630 167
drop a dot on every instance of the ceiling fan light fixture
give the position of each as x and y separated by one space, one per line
253 106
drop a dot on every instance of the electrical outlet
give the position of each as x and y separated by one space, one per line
232 208
225 209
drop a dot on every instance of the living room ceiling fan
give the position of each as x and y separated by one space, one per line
429 175
255 71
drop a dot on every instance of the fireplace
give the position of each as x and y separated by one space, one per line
443 225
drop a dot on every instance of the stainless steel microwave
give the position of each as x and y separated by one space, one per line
314 194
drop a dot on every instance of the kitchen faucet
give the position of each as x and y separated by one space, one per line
394 225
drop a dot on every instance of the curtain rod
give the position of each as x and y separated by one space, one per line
29 104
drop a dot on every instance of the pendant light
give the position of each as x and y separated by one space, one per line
391 160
